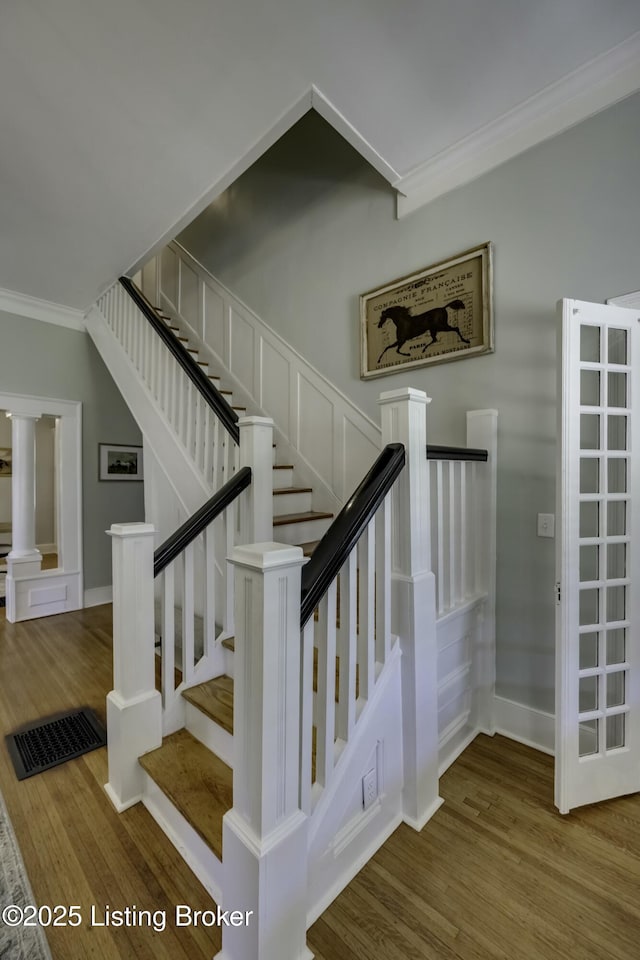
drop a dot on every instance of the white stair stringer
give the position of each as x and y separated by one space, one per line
343 836
187 481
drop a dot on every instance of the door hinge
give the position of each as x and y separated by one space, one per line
558 593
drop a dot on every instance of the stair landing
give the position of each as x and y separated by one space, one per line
197 782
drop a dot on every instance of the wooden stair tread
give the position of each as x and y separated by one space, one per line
282 490
300 517
215 699
197 782
308 548
229 643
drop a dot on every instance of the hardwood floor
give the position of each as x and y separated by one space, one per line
497 874
77 849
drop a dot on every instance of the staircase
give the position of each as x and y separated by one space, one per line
250 744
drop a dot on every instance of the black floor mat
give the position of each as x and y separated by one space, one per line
49 741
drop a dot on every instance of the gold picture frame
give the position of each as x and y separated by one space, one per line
440 314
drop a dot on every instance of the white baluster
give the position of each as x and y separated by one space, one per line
209 611
306 719
188 657
383 580
464 531
442 576
326 686
453 534
347 646
366 611
168 648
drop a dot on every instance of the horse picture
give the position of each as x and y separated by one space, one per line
410 327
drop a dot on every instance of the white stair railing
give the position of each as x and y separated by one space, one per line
344 648
208 441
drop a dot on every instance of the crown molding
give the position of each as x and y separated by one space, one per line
23 305
329 112
593 87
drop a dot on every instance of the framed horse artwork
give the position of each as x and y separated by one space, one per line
441 313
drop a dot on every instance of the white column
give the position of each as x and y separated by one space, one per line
256 451
134 706
24 560
23 489
265 834
413 605
482 433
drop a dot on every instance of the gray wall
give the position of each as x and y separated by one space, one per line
310 227
41 359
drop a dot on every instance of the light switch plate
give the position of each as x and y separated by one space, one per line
546 525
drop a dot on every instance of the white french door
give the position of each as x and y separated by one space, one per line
598 555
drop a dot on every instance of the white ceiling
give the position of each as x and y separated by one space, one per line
120 117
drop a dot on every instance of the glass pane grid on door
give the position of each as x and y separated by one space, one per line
604 541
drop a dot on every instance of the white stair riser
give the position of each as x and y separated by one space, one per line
304 532
291 503
188 843
228 663
209 733
283 478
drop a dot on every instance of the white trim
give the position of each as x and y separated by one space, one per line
534 728
345 878
594 86
629 300
426 816
47 548
339 122
312 98
23 305
95 596
69 469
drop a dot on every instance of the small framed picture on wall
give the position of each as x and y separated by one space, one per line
118 462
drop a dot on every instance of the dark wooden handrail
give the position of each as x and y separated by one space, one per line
213 397
190 529
435 452
347 528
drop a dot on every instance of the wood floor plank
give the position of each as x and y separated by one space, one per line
497 874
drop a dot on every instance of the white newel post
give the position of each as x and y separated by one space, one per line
265 834
256 451
482 433
25 559
134 706
414 602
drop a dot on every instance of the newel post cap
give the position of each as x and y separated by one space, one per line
403 393
267 556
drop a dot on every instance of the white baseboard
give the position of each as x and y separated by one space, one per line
98 595
535 728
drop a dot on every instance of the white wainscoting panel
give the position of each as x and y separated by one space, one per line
269 377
